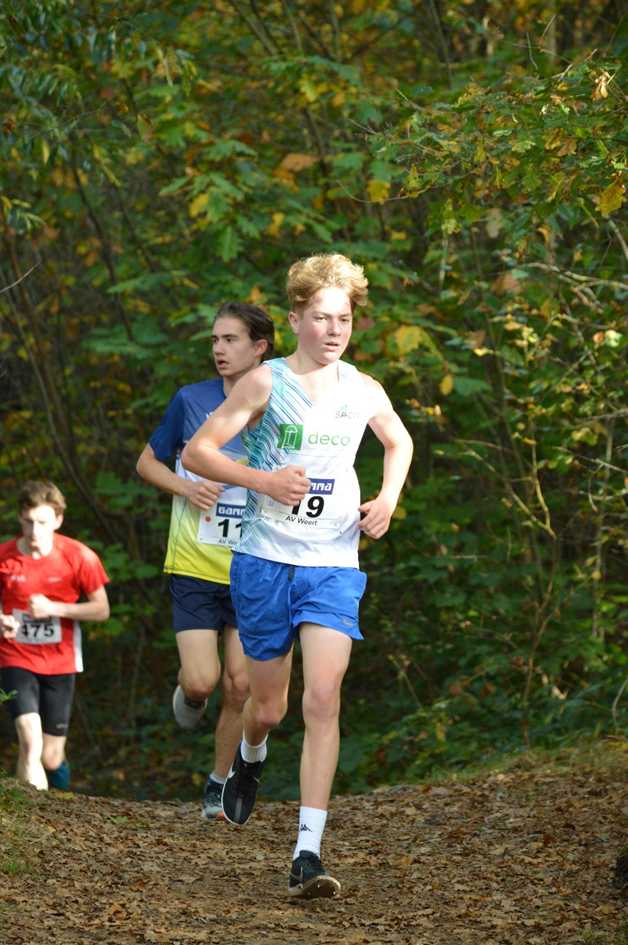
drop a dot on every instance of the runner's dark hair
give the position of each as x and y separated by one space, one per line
35 493
258 323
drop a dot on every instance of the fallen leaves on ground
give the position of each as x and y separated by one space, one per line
523 857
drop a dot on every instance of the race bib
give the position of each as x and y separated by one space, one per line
222 524
320 509
34 630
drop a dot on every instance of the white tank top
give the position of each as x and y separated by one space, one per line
321 530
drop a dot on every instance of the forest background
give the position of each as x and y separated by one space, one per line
158 159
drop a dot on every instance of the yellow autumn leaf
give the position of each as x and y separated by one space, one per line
256 296
400 513
554 139
446 385
612 198
145 128
100 156
408 337
308 89
601 87
298 162
278 219
378 189
569 147
198 204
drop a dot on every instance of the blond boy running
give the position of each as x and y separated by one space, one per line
295 569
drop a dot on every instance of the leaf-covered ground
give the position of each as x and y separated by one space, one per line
524 856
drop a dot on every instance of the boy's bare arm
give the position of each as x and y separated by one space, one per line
398 449
203 494
244 405
96 607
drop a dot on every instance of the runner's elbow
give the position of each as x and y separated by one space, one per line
188 458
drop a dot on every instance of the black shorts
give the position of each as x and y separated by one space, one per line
200 605
49 696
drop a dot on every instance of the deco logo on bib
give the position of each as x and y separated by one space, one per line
290 436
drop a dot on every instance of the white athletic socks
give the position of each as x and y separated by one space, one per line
216 778
251 753
311 826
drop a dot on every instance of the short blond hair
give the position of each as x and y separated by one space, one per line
308 276
35 493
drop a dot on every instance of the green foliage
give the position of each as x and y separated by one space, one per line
157 161
620 937
15 805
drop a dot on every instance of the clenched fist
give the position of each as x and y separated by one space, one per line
288 485
9 626
204 493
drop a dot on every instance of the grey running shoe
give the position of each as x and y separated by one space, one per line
212 801
308 879
186 712
240 789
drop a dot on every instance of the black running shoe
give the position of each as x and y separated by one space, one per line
308 879
240 789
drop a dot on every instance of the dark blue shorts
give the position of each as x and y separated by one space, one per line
200 605
272 599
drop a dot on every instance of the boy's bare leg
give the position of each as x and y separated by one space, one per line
268 703
200 665
264 709
326 655
53 753
31 739
235 692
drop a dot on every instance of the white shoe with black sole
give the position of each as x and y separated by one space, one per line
186 712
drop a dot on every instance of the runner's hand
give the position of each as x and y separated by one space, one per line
203 494
9 626
378 513
41 607
288 485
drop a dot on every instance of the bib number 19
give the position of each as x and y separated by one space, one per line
313 508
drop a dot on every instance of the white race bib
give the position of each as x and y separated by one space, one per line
319 509
222 524
34 630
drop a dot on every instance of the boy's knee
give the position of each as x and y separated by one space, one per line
235 688
199 683
269 715
52 757
321 702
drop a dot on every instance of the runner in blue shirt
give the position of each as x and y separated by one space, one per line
204 525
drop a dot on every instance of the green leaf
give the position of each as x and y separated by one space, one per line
229 244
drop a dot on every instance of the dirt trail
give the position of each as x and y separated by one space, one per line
515 858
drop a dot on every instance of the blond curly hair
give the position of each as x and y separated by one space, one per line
307 276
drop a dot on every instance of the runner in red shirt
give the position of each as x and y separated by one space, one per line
42 576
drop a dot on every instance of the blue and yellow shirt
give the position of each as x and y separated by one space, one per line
199 543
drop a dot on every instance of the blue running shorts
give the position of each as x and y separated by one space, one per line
272 599
200 605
